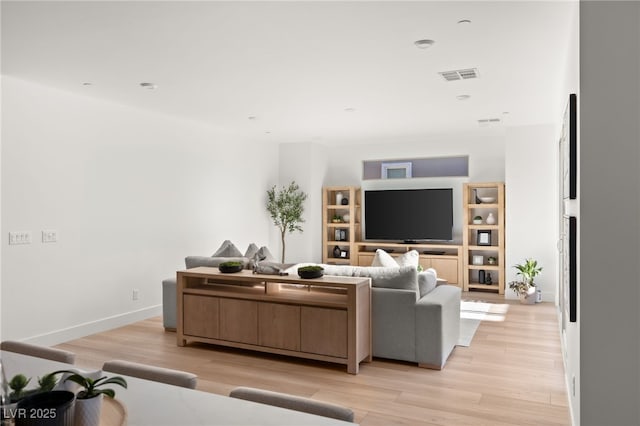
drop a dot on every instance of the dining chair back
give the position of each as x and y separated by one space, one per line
293 402
153 373
38 351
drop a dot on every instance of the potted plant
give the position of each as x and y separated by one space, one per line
477 220
525 286
230 266
336 219
89 398
19 382
285 208
310 271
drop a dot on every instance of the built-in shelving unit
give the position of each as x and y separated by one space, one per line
494 244
342 233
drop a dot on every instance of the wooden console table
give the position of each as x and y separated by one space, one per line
327 318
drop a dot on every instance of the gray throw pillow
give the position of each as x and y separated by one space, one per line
251 250
227 249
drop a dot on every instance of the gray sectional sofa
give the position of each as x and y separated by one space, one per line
413 318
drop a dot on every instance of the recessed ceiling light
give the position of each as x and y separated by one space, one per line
349 109
424 44
87 84
464 21
463 97
150 86
505 112
252 117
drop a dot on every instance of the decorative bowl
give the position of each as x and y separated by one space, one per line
230 267
310 272
488 200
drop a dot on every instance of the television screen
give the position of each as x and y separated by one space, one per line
409 214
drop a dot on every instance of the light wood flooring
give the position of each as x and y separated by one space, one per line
512 374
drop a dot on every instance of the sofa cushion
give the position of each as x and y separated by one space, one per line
195 261
252 249
227 249
402 278
427 281
382 258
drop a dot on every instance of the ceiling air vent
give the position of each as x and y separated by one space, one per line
488 122
465 74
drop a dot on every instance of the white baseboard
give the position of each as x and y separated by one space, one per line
92 327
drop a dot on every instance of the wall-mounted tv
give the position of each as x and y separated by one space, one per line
409 214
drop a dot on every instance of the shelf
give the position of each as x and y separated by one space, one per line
483 206
485 248
331 208
485 267
339 225
478 286
495 227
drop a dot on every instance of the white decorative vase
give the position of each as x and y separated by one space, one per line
88 411
346 217
339 198
491 219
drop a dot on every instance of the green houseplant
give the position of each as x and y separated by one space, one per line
89 398
285 206
525 286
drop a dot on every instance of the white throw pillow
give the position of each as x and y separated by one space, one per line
382 258
410 258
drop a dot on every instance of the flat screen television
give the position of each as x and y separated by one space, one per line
409 215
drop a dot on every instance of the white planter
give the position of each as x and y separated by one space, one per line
88 411
528 298
491 219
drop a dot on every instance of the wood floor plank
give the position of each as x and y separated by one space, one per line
512 374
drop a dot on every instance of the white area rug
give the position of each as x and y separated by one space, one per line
474 311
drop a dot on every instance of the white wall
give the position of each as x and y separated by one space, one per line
305 163
485 149
531 186
130 194
609 222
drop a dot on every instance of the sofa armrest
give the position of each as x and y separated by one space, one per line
437 325
169 303
393 322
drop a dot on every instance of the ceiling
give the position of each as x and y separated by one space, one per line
331 72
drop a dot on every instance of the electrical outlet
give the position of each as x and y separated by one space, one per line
136 294
20 237
49 236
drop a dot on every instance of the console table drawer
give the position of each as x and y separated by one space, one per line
202 318
279 326
324 331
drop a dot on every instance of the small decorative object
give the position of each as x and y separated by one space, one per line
337 235
344 254
345 201
89 399
475 197
481 276
230 267
484 238
478 260
343 235
346 217
336 251
311 271
488 200
396 170
336 219
525 288
487 278
491 219
492 260
477 220
339 198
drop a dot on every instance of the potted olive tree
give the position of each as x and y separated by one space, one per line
525 287
285 208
